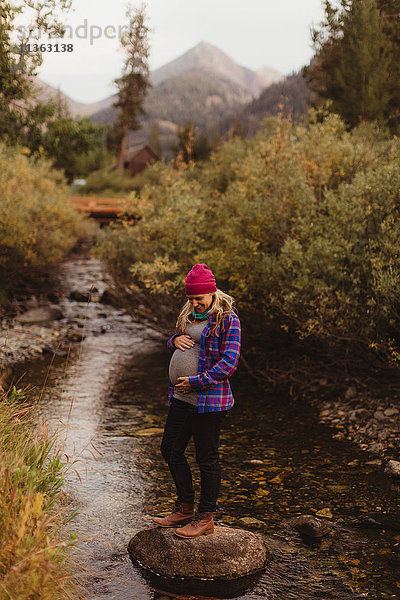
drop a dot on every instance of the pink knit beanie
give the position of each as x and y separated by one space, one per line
200 280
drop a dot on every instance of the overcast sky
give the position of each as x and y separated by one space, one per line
255 33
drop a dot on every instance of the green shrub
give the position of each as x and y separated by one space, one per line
38 224
106 183
109 183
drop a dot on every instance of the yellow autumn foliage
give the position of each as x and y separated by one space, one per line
38 225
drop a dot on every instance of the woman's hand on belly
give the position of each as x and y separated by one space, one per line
183 342
183 385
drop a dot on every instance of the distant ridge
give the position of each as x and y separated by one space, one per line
203 58
46 92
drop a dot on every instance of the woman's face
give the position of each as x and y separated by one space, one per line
201 302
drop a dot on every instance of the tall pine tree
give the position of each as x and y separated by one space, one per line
390 19
353 64
135 80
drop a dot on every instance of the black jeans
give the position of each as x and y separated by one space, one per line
183 421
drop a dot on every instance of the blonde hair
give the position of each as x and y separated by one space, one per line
221 307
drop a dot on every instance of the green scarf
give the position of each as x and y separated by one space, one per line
202 316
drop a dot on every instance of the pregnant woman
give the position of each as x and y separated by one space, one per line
205 352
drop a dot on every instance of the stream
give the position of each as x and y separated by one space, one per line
108 401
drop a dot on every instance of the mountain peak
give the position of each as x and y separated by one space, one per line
204 48
208 59
204 44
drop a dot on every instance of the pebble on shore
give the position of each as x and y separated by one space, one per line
19 342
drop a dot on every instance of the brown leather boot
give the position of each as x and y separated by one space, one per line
183 513
202 524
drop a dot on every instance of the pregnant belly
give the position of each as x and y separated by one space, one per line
184 364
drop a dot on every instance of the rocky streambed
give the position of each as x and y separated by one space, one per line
22 341
81 304
369 420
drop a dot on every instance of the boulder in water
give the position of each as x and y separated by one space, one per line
226 554
309 526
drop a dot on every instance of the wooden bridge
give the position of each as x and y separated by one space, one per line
103 210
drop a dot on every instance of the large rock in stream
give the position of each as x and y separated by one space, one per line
226 554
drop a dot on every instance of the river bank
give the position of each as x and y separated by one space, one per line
372 422
34 545
76 299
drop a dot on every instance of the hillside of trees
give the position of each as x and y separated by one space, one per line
290 97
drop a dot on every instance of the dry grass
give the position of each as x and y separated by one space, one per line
33 542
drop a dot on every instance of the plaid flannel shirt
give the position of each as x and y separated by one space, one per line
219 357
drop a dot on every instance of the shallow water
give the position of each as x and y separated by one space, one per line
108 400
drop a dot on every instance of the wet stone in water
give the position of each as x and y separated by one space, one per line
392 468
79 296
40 315
309 526
226 554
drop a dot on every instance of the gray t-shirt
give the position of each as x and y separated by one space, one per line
184 363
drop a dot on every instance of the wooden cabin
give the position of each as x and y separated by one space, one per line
138 160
